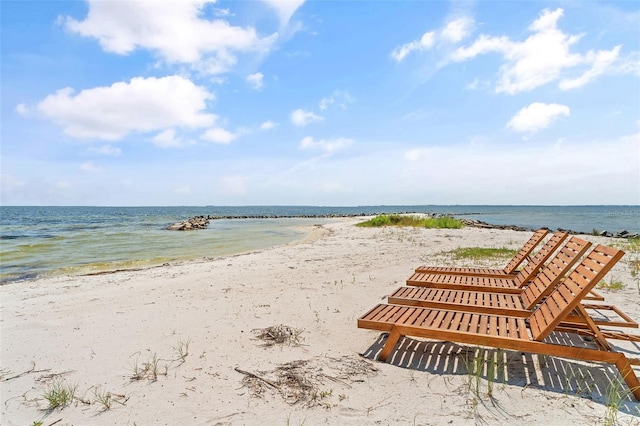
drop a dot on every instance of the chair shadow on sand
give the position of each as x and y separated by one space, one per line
527 370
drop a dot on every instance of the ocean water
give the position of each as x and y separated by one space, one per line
37 241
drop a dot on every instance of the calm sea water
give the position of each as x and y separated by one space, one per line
37 241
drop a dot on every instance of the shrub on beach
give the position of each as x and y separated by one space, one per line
445 222
416 221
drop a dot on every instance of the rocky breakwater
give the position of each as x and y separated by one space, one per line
196 222
480 224
621 234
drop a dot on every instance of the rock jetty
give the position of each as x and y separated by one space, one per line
201 222
196 222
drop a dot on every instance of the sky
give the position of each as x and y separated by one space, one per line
332 103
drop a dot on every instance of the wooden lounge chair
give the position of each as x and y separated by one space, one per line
508 271
509 332
500 284
518 304
510 285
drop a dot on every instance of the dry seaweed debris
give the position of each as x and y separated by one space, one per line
304 381
280 335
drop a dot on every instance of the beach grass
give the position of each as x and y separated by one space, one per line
486 363
182 350
60 394
477 253
612 284
444 222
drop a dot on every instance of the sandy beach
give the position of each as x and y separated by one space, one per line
180 344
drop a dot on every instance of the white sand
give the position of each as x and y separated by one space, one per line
90 330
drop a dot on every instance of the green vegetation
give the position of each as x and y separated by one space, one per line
103 398
631 247
443 223
615 396
149 370
60 394
483 363
611 285
477 253
415 221
182 350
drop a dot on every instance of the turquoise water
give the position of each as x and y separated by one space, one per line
37 241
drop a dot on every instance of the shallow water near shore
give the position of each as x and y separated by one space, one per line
90 240
36 241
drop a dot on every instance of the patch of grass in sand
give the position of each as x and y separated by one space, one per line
106 399
477 253
615 395
632 248
182 350
576 382
149 370
445 222
487 364
60 394
613 285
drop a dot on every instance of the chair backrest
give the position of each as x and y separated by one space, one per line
566 296
525 250
554 271
534 265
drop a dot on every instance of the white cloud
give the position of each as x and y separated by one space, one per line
256 80
628 65
268 125
107 150
218 63
22 110
453 32
300 117
537 116
456 30
600 62
221 12
426 42
219 135
176 31
142 105
542 58
90 167
339 97
328 146
284 8
167 139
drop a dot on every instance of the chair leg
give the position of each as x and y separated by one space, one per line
393 338
629 376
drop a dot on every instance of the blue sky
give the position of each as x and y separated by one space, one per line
320 102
